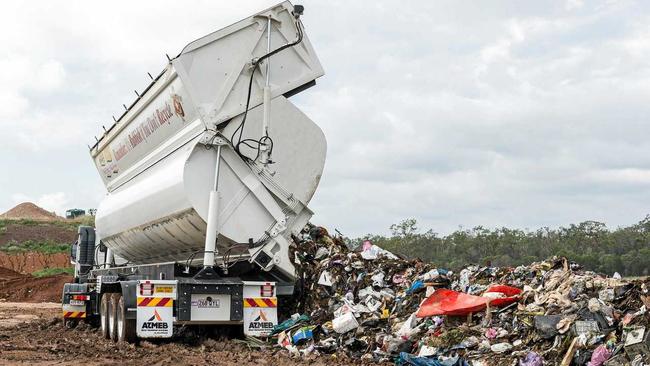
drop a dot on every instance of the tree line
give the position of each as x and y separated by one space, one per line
625 250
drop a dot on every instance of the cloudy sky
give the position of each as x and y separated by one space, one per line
457 113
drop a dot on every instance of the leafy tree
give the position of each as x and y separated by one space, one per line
625 250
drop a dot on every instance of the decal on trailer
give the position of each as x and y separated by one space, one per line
260 316
74 314
155 301
261 303
163 289
155 317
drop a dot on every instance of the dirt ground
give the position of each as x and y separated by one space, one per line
17 287
33 334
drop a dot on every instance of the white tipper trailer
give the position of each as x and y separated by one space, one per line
208 174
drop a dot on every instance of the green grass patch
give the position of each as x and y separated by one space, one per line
70 225
52 271
47 247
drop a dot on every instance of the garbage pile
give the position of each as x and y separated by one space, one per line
371 305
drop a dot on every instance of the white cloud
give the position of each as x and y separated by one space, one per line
574 4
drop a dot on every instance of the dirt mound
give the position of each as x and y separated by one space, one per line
17 287
28 210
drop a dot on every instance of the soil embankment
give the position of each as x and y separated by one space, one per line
18 287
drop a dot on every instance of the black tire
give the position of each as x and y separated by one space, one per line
112 315
126 331
103 315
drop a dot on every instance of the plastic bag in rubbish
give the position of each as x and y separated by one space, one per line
600 355
289 323
501 347
378 279
409 327
415 286
345 323
532 359
325 279
372 252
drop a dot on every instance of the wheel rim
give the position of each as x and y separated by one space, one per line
102 317
111 321
120 323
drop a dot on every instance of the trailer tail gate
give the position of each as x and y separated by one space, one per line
260 308
155 308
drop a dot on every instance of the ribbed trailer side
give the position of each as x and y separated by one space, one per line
158 165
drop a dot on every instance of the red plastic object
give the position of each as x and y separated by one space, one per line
512 294
449 302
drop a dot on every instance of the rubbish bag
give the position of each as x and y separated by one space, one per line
532 359
600 355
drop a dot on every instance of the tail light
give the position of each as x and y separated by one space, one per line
146 289
81 297
266 290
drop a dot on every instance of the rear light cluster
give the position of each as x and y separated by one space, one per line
146 289
266 290
81 297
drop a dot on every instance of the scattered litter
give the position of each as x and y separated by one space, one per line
371 305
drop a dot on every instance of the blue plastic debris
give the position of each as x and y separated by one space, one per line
302 335
418 284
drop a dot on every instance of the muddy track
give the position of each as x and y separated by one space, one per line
19 287
34 334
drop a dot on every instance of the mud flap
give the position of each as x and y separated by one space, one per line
155 311
260 308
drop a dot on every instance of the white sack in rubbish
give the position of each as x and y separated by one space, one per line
345 323
374 252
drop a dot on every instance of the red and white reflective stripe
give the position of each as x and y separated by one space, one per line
80 297
146 289
266 290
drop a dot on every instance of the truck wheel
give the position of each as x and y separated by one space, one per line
125 327
103 315
112 316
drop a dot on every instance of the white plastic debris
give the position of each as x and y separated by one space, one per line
426 351
409 327
325 279
430 290
372 252
501 347
430 275
378 279
345 323
321 253
606 294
